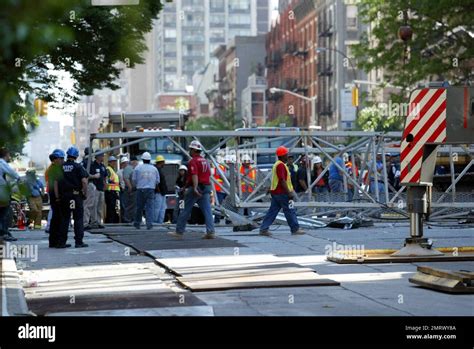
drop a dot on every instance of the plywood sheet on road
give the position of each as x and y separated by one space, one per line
158 240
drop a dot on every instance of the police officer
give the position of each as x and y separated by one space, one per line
55 175
73 188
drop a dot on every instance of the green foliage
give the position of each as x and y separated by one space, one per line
282 119
378 119
209 123
88 42
433 55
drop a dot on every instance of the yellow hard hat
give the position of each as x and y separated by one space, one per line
160 158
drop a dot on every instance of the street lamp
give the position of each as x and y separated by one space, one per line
310 99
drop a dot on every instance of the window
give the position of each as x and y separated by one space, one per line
217 35
351 16
239 5
239 19
217 4
217 21
170 33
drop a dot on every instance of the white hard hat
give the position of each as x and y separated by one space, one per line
183 167
124 159
112 158
195 145
317 160
246 158
146 156
345 157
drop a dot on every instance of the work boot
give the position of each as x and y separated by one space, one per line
63 246
81 245
209 236
87 227
175 234
150 227
137 226
265 233
101 226
298 232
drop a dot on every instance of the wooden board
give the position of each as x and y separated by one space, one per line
440 284
386 258
259 281
464 277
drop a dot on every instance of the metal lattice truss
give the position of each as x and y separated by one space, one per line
362 148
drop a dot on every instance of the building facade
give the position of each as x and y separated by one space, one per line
291 63
188 31
244 56
254 103
338 29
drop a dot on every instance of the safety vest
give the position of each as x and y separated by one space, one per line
113 182
251 174
275 179
218 178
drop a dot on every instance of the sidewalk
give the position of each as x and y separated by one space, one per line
109 278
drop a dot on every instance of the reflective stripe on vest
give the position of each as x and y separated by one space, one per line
252 174
275 177
114 178
218 178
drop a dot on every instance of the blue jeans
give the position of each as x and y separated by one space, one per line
380 186
204 203
220 197
145 199
336 185
280 201
159 208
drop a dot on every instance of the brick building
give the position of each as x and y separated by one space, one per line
291 62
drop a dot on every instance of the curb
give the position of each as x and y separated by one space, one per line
13 301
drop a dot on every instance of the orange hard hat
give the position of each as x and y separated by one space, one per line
281 150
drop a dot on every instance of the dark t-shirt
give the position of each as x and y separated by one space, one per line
301 175
162 186
73 175
99 168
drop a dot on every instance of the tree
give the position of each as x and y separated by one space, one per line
89 43
378 119
210 123
441 48
282 119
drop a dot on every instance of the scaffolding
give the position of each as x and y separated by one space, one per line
363 148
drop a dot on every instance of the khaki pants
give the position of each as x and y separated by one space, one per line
89 204
36 210
97 214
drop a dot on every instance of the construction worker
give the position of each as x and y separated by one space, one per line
218 186
302 184
145 178
98 168
247 172
35 197
321 187
350 169
198 191
112 191
89 203
336 181
293 168
55 175
179 190
5 193
73 191
379 185
130 193
122 197
281 190
160 192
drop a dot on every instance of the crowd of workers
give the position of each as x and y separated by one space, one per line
129 190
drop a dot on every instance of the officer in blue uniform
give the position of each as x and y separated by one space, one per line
73 188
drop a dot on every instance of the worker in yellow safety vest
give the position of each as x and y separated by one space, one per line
282 193
112 192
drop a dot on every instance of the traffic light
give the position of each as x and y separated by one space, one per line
41 107
73 138
355 97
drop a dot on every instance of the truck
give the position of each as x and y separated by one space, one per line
144 122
